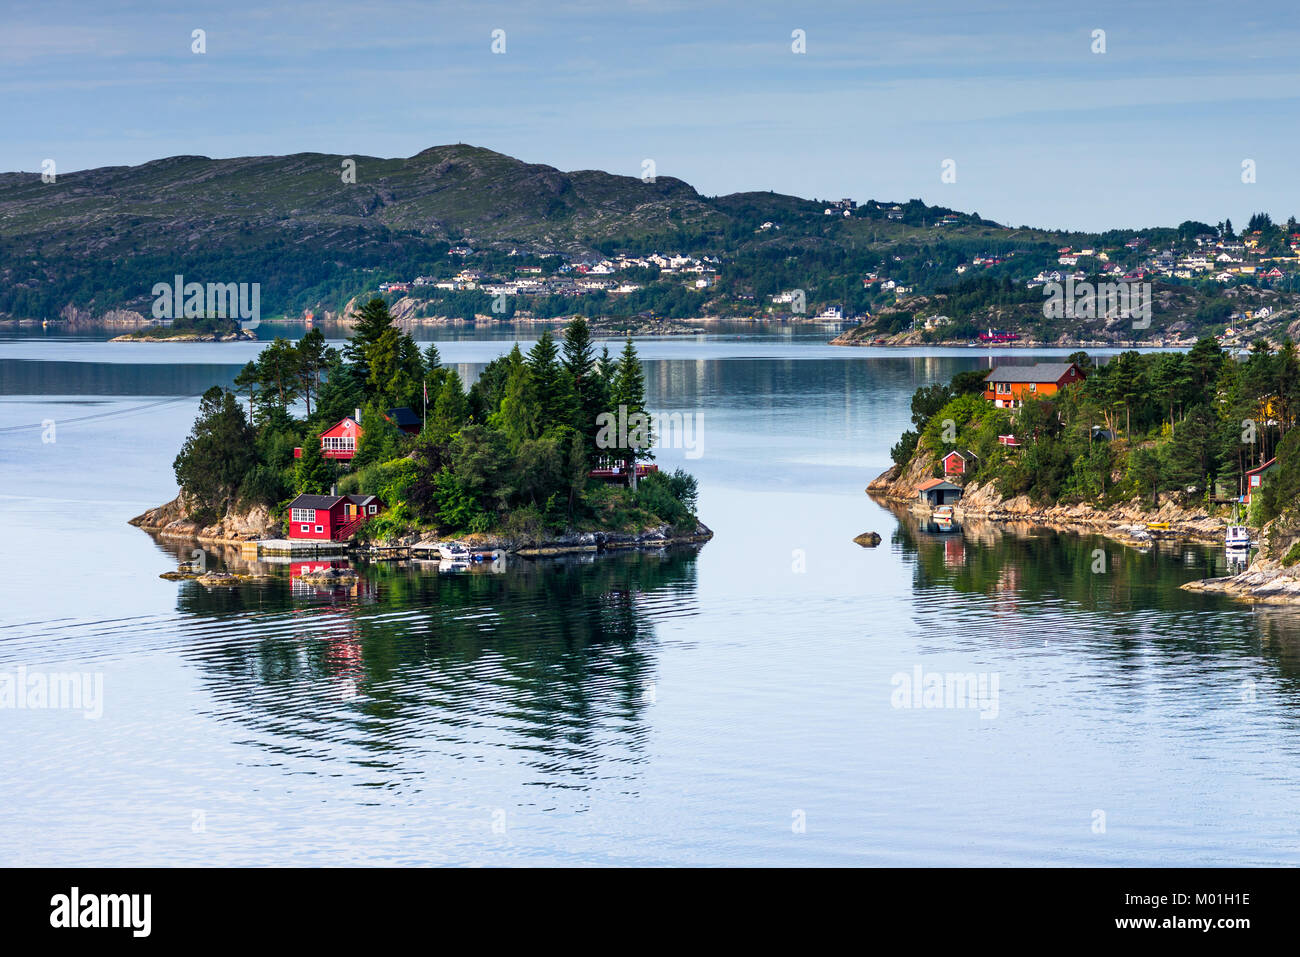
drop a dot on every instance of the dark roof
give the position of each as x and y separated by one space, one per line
315 501
1038 372
964 453
361 499
403 416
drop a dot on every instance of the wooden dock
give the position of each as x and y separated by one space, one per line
295 546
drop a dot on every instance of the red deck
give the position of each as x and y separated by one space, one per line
619 474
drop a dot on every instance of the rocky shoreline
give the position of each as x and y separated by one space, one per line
243 335
1264 582
170 522
915 341
1125 523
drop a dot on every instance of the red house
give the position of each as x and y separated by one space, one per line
339 441
330 518
1255 479
956 461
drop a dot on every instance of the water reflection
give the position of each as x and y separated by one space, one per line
407 666
1027 587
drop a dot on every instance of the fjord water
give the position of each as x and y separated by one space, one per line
731 704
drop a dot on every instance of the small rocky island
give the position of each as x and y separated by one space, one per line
190 330
545 454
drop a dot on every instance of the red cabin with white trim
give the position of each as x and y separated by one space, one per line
330 518
339 441
956 461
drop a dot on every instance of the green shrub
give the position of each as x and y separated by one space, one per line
456 506
902 452
656 495
263 485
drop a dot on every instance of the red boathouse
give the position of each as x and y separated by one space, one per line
330 518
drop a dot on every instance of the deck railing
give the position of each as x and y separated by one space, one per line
348 528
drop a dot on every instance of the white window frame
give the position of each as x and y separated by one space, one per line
305 529
320 529
303 515
374 509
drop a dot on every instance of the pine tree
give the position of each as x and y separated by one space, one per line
629 382
247 383
606 368
396 369
486 393
579 352
372 321
627 396
217 454
278 369
590 390
314 357
553 390
449 410
313 474
518 415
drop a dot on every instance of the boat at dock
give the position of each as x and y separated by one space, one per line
1237 536
453 552
944 519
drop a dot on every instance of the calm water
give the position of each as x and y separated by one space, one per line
728 704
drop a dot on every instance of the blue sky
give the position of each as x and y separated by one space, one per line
1042 130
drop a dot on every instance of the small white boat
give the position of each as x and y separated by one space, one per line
942 514
1238 536
453 552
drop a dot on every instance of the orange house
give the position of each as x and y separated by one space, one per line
1008 386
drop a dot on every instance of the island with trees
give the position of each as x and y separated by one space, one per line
507 463
190 329
1144 445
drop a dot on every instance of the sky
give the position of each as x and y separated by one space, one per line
1040 126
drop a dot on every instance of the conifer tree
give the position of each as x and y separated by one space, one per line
627 396
313 474
552 386
373 320
590 391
